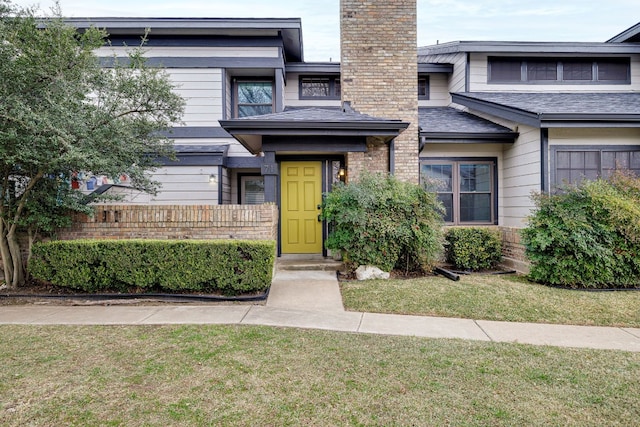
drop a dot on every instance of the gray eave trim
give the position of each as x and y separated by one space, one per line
250 133
468 137
548 119
200 62
434 68
529 47
320 128
128 23
552 120
498 110
313 67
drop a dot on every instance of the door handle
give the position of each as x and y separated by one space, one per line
319 218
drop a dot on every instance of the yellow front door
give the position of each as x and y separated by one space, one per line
301 195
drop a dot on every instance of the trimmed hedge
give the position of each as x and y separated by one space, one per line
230 267
473 248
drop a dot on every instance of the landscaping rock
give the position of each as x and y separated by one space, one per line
368 272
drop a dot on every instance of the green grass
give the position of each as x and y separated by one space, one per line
248 376
493 297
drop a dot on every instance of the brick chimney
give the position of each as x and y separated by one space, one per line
379 77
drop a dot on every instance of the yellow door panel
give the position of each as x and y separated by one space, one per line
301 194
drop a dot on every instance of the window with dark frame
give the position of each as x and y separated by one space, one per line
319 87
542 70
423 87
251 189
577 70
465 188
575 165
564 70
253 97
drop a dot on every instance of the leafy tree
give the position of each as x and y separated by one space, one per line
62 112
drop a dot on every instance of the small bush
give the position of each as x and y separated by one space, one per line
473 248
587 236
209 266
385 222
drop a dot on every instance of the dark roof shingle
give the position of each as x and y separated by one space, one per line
563 103
451 120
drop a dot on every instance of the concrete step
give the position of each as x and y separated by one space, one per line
308 263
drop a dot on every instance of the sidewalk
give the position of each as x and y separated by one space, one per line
311 299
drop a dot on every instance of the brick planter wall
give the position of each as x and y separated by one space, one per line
513 250
252 222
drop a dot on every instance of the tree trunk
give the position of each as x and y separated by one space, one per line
5 253
17 278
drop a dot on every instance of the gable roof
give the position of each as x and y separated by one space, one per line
599 109
630 35
448 124
313 121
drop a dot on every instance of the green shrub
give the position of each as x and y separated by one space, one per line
473 248
587 236
385 222
208 266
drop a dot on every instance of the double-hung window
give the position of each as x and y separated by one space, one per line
466 188
253 98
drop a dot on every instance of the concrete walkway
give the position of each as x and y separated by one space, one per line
311 299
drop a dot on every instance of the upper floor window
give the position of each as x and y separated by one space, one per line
328 87
423 87
320 87
572 165
559 70
253 98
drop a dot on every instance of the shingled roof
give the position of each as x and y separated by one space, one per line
452 125
557 109
315 115
311 121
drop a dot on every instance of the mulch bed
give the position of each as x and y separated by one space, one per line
400 274
42 293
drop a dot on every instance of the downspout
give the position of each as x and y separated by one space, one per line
392 157
467 72
544 159
220 186
224 94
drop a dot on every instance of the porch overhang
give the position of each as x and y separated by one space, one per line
311 129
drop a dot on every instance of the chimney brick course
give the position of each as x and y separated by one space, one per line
379 72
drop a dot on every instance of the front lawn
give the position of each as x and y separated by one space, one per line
249 376
493 297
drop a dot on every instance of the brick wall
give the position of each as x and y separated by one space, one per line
513 250
253 222
378 65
